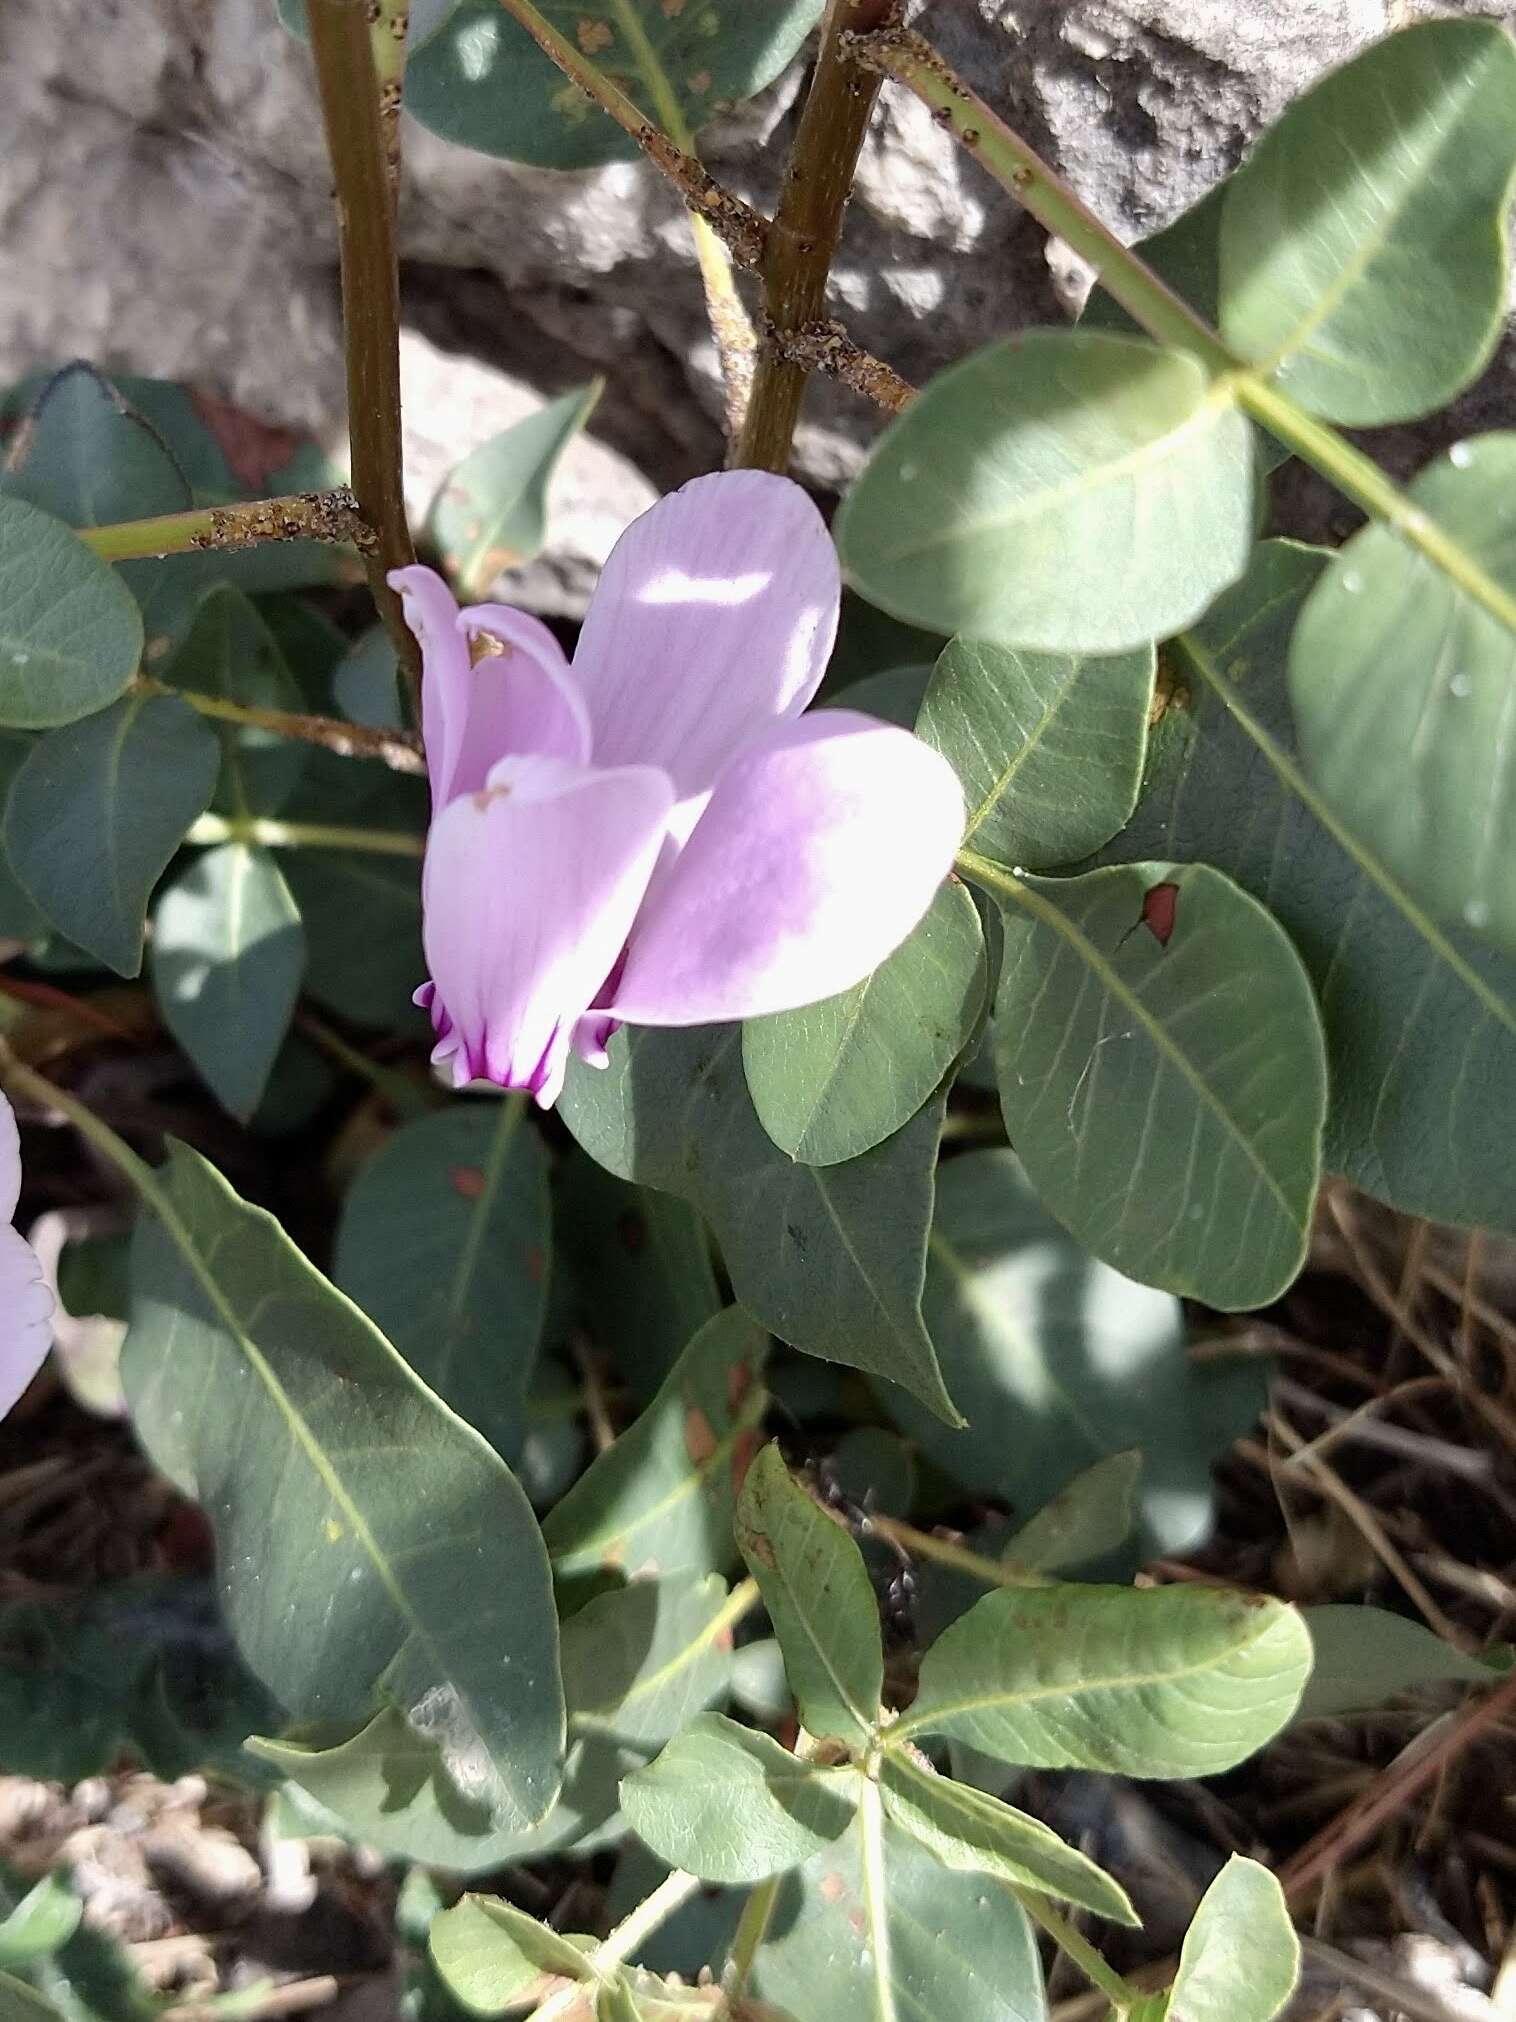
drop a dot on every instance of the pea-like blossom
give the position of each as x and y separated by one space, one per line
26 1302
656 834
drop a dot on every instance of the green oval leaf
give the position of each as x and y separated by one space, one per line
1366 1656
46 1917
1241 1958
1404 688
230 653
491 1956
70 633
1420 1019
1057 1360
97 810
1049 747
404 1556
829 1258
1162 1681
730 1805
971 1832
491 512
817 1591
480 80
1091 1515
832 1080
1163 1075
1052 444
639 1662
639 1263
659 1500
875 1927
1363 242
445 1243
228 955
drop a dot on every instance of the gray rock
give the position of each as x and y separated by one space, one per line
164 208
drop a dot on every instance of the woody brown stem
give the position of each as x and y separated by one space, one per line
808 223
351 108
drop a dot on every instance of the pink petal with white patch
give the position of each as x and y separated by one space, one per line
10 1162
529 890
519 699
821 849
26 1308
713 620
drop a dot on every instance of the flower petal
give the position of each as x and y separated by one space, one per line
10 1162
522 699
26 1306
714 618
529 891
820 851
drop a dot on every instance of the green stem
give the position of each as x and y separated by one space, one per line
991 1572
1121 1992
1359 478
348 740
671 1894
903 55
752 1929
818 180
304 516
876 1894
741 227
356 141
213 829
407 1098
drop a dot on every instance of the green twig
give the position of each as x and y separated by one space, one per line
303 516
752 1929
1121 1992
991 1572
818 180
213 829
355 134
394 748
903 55
628 1937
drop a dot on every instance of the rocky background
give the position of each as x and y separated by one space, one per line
164 209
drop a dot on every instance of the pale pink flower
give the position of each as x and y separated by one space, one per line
656 835
26 1304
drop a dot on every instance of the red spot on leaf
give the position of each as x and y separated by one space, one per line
536 1263
833 1888
739 1381
631 1231
255 449
700 1440
467 1181
1160 905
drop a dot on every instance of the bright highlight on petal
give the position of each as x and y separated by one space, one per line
821 849
530 888
714 618
26 1303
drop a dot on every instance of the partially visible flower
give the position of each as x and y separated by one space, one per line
26 1304
651 836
